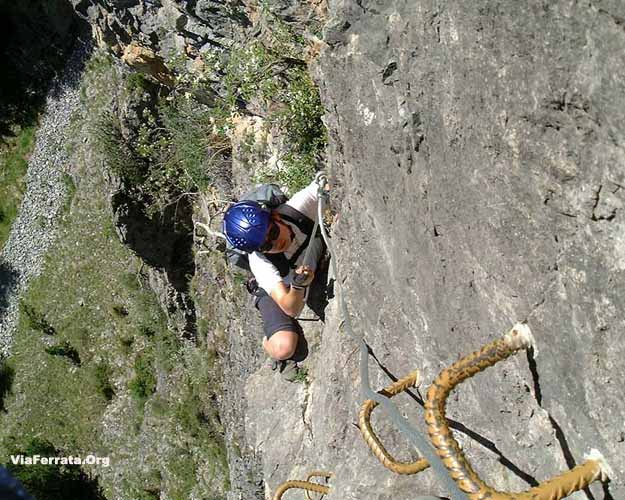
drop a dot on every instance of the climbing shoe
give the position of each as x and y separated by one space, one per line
288 370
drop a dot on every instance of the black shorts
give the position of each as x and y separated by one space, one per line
274 318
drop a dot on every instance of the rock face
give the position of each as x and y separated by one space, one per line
167 27
478 157
146 61
480 169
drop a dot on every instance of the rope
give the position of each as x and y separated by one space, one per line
449 450
372 440
417 439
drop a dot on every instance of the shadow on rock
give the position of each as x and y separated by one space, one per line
7 375
36 37
320 290
301 351
163 242
8 283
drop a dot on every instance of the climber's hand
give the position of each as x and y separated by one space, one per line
304 276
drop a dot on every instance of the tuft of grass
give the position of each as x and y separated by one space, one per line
137 81
100 62
34 319
130 281
121 157
70 191
143 384
14 155
301 376
102 375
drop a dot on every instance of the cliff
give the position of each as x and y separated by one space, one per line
476 155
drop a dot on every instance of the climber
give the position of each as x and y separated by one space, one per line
276 240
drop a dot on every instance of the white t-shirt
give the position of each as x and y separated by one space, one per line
266 274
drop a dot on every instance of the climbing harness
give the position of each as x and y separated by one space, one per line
448 449
307 485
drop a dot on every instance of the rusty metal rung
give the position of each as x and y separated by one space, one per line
448 449
372 440
304 485
316 473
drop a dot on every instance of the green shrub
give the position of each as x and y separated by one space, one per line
130 281
136 80
70 191
102 379
34 319
248 74
301 120
66 350
179 147
119 154
167 346
126 344
301 376
100 62
119 311
274 73
143 384
185 151
146 331
297 171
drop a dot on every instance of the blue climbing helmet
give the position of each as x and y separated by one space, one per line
245 225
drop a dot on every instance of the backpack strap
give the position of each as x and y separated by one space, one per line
298 252
294 216
303 223
283 265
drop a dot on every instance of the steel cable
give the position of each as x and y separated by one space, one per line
417 439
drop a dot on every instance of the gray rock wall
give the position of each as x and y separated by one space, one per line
479 152
169 27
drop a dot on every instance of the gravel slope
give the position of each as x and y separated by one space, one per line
35 228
